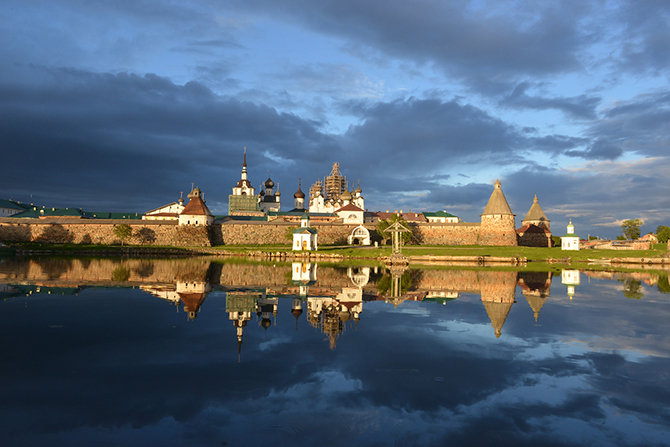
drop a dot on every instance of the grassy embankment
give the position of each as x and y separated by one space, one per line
371 252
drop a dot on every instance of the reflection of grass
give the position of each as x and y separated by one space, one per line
6 252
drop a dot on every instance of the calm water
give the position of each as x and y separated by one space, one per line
189 352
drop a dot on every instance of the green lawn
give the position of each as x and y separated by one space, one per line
531 253
371 252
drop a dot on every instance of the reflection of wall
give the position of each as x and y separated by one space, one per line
100 271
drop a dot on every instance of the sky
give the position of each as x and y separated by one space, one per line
122 106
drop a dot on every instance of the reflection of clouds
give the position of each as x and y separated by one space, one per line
320 384
579 378
272 343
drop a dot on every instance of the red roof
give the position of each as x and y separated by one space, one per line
196 207
530 228
350 207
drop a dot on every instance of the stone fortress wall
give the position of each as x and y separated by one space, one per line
91 231
80 231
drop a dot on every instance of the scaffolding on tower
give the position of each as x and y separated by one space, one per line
335 183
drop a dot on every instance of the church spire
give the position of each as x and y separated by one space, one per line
244 165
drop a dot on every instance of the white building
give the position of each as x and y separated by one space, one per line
9 208
570 241
351 214
441 217
196 211
171 211
304 238
360 235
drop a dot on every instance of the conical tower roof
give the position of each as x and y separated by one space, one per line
535 212
497 203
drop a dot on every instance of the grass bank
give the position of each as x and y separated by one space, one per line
359 252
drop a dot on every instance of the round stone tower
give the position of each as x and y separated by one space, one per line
498 226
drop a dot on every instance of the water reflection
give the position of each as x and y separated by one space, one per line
184 352
333 300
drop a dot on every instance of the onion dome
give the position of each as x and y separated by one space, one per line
358 190
345 315
296 312
266 323
269 183
346 195
262 193
299 194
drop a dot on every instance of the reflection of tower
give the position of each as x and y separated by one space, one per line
240 306
536 287
571 279
329 315
498 292
193 294
267 308
296 310
351 298
331 325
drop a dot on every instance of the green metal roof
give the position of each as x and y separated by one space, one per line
305 230
108 215
439 214
13 205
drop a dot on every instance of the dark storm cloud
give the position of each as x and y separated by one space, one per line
496 40
582 107
85 131
428 134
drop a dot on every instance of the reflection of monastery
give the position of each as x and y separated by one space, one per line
329 300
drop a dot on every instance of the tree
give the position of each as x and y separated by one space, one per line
123 232
663 233
631 228
384 224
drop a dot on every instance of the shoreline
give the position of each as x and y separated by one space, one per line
660 258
